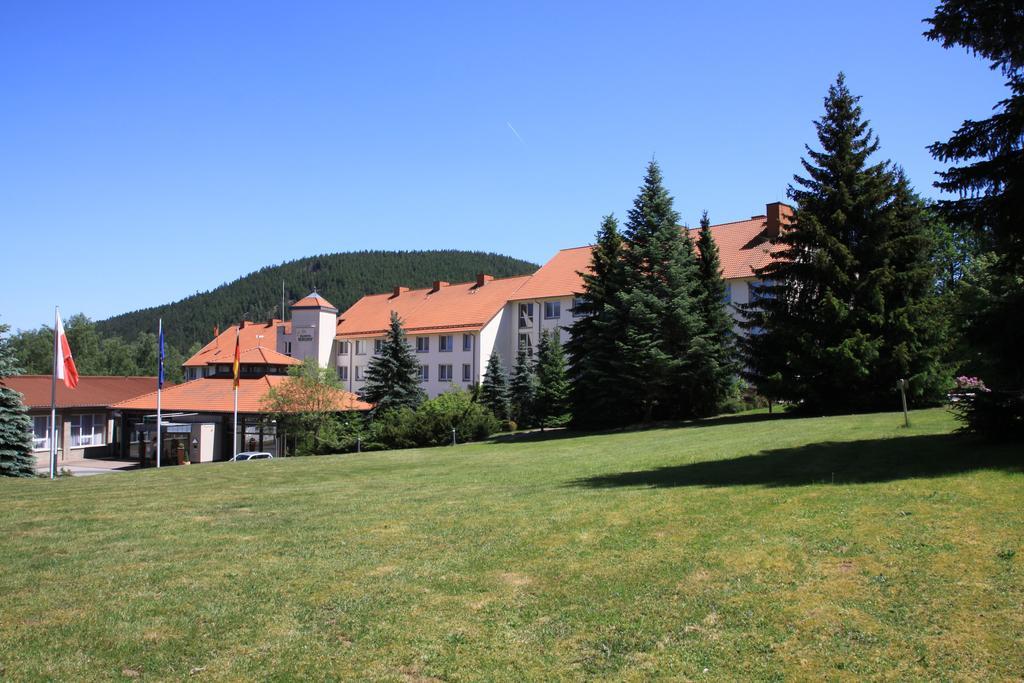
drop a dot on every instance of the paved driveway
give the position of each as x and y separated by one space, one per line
89 467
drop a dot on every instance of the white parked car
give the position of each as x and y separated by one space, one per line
252 455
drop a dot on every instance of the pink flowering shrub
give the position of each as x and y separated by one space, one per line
969 384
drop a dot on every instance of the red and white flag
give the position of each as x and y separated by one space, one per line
63 363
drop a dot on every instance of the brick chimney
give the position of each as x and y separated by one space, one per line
778 216
482 279
438 284
398 291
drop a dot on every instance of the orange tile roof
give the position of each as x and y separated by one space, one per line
461 307
92 391
216 395
742 248
222 349
314 300
559 276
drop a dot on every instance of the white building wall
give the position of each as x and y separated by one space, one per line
496 336
501 333
312 334
562 324
738 289
432 358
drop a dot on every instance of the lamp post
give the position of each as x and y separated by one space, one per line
902 386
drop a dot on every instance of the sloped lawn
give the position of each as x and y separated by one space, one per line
736 548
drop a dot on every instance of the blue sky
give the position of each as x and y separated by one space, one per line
148 152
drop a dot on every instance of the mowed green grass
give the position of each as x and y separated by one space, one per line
736 548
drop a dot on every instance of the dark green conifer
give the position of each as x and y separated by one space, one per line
715 345
822 325
522 388
551 398
393 375
989 182
494 392
661 320
592 348
16 459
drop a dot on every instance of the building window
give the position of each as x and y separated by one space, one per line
552 309
525 315
378 345
444 373
445 343
526 343
343 348
727 294
87 430
467 342
467 372
360 347
343 373
41 433
287 348
422 344
577 306
359 373
424 373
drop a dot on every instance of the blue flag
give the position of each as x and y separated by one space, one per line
160 355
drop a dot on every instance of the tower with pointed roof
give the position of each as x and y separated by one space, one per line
311 330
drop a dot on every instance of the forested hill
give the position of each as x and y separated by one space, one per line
341 278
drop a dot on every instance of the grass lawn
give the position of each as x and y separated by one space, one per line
736 548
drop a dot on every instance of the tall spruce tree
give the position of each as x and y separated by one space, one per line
494 391
661 322
551 399
592 347
822 325
915 329
717 373
990 180
522 388
393 375
16 458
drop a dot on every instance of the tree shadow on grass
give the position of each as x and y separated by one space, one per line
853 462
565 433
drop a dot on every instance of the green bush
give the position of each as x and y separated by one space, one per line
431 424
997 415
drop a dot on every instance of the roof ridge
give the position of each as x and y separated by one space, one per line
718 225
450 284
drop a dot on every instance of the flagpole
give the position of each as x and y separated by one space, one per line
159 386
234 444
236 371
53 399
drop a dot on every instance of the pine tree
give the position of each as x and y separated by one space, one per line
821 325
916 327
522 389
494 391
716 342
990 181
594 359
393 375
551 399
16 458
661 320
